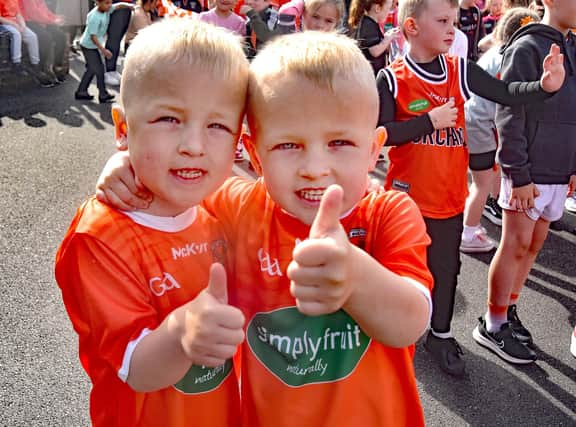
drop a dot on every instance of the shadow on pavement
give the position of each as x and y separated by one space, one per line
34 105
480 400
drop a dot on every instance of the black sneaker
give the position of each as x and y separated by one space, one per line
447 353
493 211
105 99
503 343
83 96
42 78
19 70
518 328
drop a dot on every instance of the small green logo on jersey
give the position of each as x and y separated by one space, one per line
302 350
418 105
201 379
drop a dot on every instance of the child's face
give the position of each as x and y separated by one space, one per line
181 135
259 5
307 138
324 18
382 10
225 5
496 7
434 28
563 12
104 5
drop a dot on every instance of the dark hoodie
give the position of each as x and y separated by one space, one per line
538 141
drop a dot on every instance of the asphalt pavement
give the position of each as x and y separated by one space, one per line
51 151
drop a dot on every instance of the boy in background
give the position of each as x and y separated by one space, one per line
92 45
422 106
331 279
538 159
470 23
144 290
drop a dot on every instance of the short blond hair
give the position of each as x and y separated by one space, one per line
414 8
319 57
185 43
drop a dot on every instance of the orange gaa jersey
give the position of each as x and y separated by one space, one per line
298 370
431 168
120 276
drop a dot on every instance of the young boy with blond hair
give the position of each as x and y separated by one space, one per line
422 99
332 279
145 290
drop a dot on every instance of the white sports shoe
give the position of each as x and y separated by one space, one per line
573 343
111 79
570 204
479 243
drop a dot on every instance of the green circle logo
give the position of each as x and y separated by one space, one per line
201 379
301 350
419 105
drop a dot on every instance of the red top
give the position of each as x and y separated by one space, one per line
301 371
9 9
119 280
37 11
432 168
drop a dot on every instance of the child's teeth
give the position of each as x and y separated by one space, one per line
314 195
189 174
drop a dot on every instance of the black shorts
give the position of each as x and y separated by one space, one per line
482 161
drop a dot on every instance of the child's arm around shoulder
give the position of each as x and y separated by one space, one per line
328 273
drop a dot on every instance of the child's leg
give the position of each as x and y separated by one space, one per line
94 67
29 37
517 232
15 43
538 238
482 184
89 72
444 264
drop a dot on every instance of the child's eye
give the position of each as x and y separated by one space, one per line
341 143
167 119
219 126
285 146
443 21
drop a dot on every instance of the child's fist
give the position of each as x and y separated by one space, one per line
319 270
444 116
211 330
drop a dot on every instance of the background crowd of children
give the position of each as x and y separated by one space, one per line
428 103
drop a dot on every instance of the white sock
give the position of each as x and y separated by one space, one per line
469 232
443 335
495 321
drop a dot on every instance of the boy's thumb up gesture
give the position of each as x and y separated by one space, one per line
211 330
320 270
553 70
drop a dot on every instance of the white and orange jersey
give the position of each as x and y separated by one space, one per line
431 168
120 276
322 370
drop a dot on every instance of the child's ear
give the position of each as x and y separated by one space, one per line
380 137
250 146
120 128
410 27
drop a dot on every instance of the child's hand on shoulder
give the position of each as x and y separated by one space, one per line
118 187
209 330
553 70
321 268
522 198
444 116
